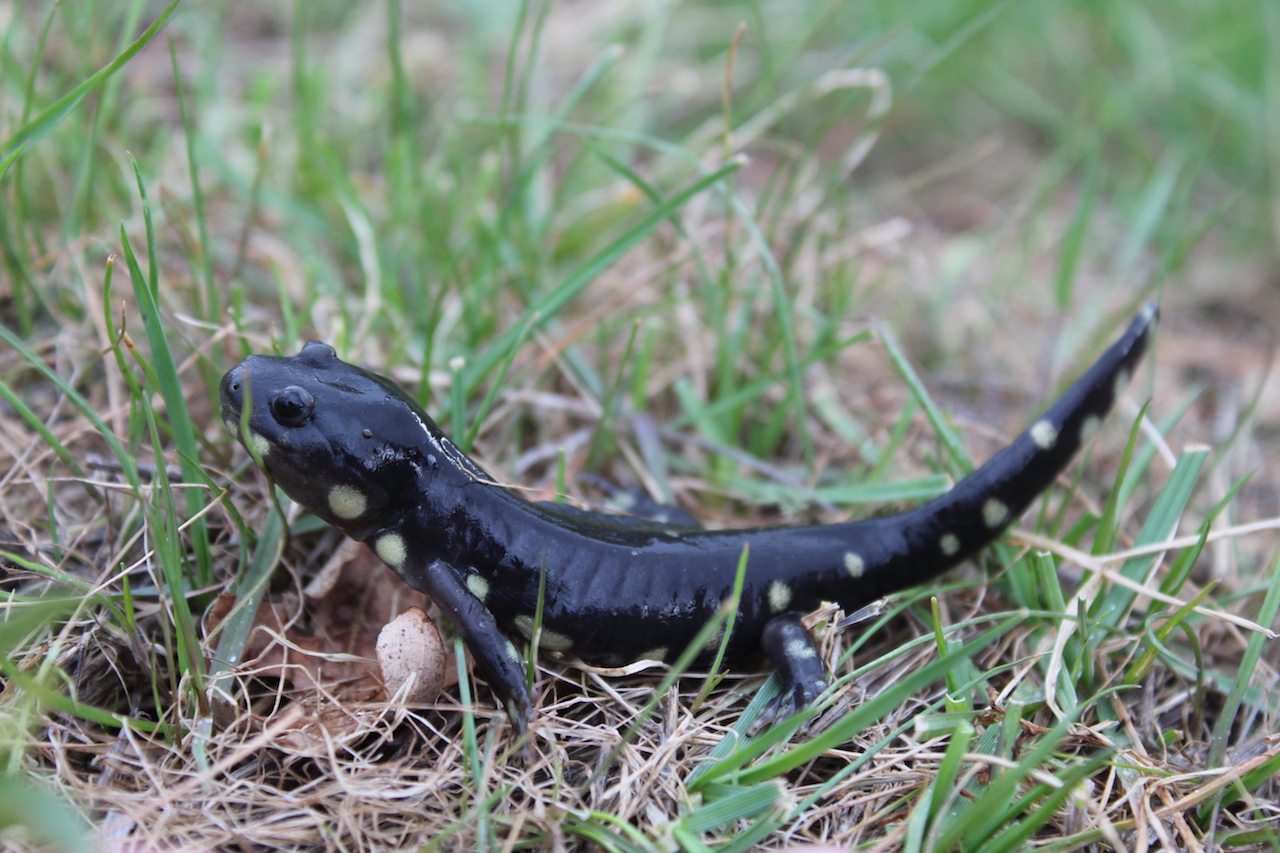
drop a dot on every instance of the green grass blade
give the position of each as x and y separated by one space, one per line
962 734
33 420
610 833
146 291
251 585
51 822
1248 666
161 513
993 808
551 303
963 672
39 126
754 389
784 325
714 627
126 461
957 456
1073 243
1039 810
730 609
54 700
732 804
1109 523
212 301
11 158
850 494
856 721
1159 526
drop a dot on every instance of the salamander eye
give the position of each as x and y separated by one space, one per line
292 405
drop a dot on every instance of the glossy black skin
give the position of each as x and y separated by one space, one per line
618 589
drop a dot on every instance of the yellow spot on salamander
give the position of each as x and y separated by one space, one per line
994 513
549 640
479 586
1044 434
659 654
261 446
854 564
391 549
779 596
950 545
347 502
798 648
555 642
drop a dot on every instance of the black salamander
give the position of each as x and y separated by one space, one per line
354 449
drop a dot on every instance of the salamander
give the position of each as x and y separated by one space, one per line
352 447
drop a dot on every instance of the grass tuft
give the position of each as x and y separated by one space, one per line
774 262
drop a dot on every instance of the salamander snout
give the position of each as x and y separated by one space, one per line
231 395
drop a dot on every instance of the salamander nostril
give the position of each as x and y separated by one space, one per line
231 392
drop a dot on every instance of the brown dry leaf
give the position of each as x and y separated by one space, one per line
322 651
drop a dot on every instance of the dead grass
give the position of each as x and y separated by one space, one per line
308 759
317 764
300 748
322 768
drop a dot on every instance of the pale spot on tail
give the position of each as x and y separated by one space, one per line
854 564
994 513
779 596
950 545
1044 434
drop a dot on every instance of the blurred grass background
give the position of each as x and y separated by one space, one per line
1055 154
495 199
313 116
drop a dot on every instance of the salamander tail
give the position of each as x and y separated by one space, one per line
970 516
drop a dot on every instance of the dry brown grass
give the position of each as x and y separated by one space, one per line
301 749
308 759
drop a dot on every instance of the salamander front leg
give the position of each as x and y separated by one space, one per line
498 660
796 658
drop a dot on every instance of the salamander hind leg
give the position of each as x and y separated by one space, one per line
795 657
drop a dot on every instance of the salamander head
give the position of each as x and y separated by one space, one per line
346 444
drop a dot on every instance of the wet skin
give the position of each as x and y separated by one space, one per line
354 449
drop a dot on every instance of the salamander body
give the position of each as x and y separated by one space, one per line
354 449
